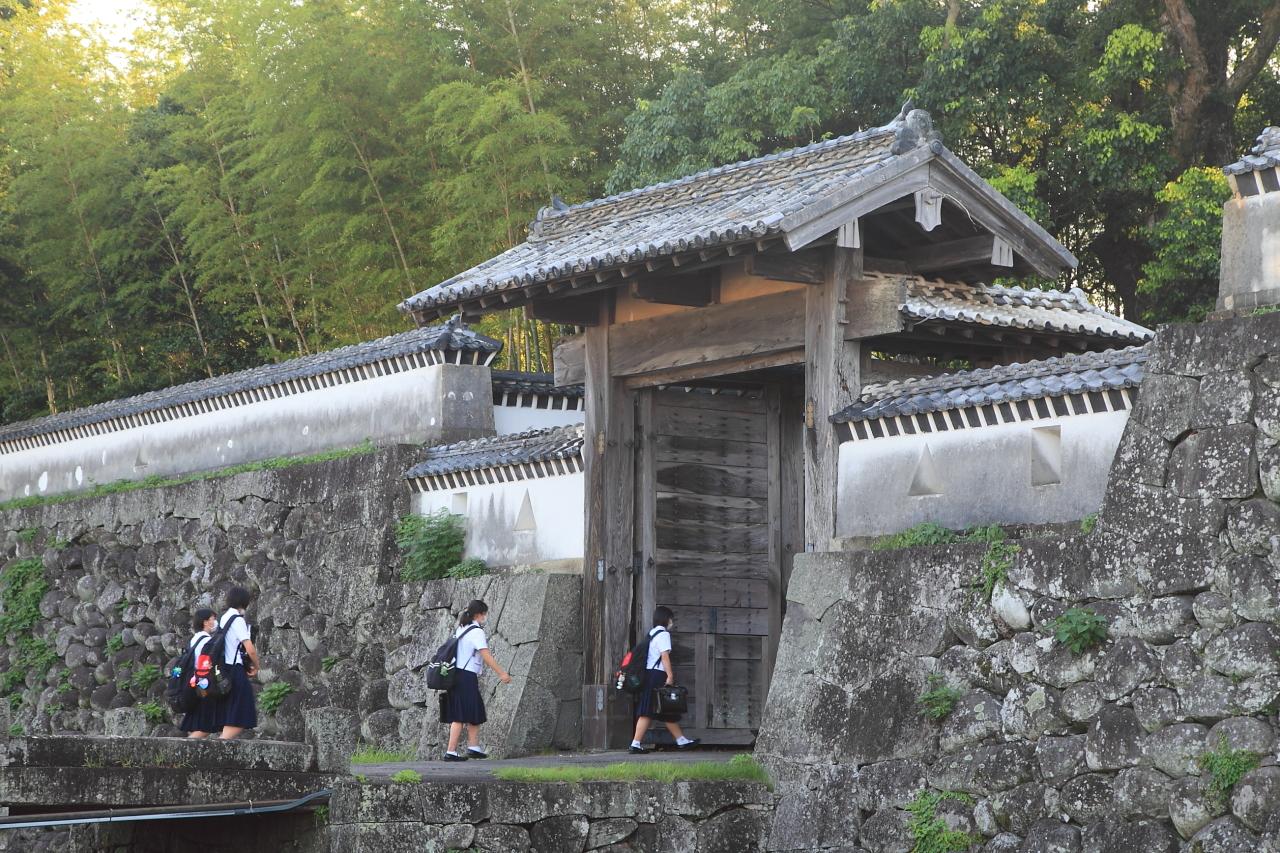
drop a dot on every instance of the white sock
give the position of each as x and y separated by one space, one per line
636 744
450 752
683 740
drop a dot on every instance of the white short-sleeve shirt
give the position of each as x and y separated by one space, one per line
659 642
198 641
469 648
236 634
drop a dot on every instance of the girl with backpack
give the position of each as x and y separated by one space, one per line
463 705
658 672
200 722
239 710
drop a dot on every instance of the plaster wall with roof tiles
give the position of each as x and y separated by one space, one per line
438 403
1046 748
1026 472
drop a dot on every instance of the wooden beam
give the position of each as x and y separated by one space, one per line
713 369
873 307
832 381
804 267
952 253
766 324
608 474
568 358
695 289
570 311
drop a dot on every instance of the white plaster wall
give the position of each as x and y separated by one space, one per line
493 513
386 410
983 475
509 419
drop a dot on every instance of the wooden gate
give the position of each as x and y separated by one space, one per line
707 526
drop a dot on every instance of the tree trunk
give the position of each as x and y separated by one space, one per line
13 362
386 215
1122 258
186 287
50 393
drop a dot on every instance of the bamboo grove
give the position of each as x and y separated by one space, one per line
251 180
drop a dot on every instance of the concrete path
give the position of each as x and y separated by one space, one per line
480 771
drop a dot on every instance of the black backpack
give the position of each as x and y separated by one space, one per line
630 675
179 693
442 672
215 650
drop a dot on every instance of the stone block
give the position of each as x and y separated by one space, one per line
1155 707
126 722
1119 836
975 717
1081 702
1243 733
1115 740
1224 835
1126 664
1253 527
1256 797
1254 585
886 831
888 784
1060 758
1142 792
556 834
1166 404
1051 836
1212 610
1174 749
1189 809
1089 797
1219 462
1245 651
984 770
1225 397
501 838
1031 709
331 734
1142 456
453 803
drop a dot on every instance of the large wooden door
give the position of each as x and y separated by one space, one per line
707 508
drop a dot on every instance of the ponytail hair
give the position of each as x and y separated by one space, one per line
474 609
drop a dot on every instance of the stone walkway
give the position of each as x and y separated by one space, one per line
480 771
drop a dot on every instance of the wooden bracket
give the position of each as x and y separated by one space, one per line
695 289
570 310
928 208
805 267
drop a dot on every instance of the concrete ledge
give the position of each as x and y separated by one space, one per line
150 752
95 787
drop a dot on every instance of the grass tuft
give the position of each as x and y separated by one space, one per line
155 712
407 777
273 694
372 755
1089 523
930 832
1080 629
937 702
430 545
1224 767
929 533
740 768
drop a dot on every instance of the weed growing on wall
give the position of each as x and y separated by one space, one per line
929 533
1080 629
430 545
272 695
938 701
995 566
146 676
407 777
328 662
27 535
1088 523
472 567
22 585
114 644
373 755
930 832
154 712
156 481
1224 767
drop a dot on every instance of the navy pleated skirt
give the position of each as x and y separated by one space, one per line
240 708
463 703
202 719
645 705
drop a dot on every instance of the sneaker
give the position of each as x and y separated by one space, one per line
476 752
639 750
451 757
692 742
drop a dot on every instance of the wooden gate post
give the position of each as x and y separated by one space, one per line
609 472
833 380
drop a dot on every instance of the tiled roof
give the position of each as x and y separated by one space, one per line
727 204
536 445
1264 155
518 382
1017 308
451 337
1052 377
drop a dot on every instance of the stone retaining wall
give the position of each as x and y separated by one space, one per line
334 622
1047 749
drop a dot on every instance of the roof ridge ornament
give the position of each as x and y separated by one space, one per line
912 128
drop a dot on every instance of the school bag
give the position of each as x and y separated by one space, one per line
630 675
180 691
212 660
442 672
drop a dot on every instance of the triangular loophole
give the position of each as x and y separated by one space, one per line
926 480
524 520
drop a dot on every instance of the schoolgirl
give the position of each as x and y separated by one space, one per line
463 705
200 722
238 710
658 672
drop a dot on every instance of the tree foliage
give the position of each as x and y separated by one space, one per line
268 178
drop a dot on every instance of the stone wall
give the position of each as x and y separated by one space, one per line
1051 750
315 544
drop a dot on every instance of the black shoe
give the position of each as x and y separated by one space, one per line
693 742
448 757
477 754
639 750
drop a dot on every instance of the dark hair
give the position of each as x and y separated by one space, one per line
238 598
662 616
201 616
473 610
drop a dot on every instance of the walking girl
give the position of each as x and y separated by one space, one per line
658 672
463 705
200 722
238 710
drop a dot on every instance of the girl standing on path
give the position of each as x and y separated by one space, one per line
463 705
239 710
658 672
200 722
